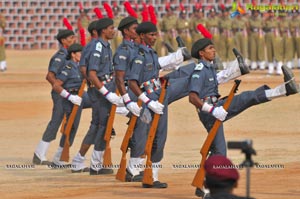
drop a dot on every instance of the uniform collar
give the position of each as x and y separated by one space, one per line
64 50
104 43
206 63
146 48
128 42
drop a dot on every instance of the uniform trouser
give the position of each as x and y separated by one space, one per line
2 53
241 43
225 49
239 103
256 47
158 46
171 38
67 107
186 37
177 89
56 118
196 36
287 45
100 112
297 42
91 134
274 47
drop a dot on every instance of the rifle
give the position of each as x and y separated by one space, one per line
147 178
107 136
65 153
121 174
63 124
199 177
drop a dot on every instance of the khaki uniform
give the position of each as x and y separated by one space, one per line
226 43
287 42
158 46
196 35
295 32
240 35
274 44
117 40
2 44
183 30
168 25
256 43
212 26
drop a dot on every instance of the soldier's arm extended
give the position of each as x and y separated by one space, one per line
50 77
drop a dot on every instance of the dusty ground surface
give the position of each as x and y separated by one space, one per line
25 107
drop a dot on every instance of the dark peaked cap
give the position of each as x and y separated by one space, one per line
62 34
126 22
104 23
75 48
200 45
92 26
146 27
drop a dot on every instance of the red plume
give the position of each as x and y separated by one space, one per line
181 7
222 6
253 3
115 4
98 12
152 14
67 24
82 36
145 13
109 11
80 6
130 10
168 5
198 6
204 31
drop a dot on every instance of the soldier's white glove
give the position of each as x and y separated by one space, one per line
218 112
131 106
112 97
75 99
155 106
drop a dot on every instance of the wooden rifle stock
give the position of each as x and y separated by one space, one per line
65 153
147 178
199 177
107 136
63 124
121 174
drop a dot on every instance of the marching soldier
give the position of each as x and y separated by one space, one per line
226 43
256 41
102 94
198 18
274 44
182 28
67 85
287 39
205 97
168 25
117 40
66 38
295 32
213 25
3 66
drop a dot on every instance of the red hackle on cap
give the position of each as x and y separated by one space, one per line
198 6
98 13
145 14
67 24
130 10
108 10
82 36
204 31
152 14
222 7
168 5
182 8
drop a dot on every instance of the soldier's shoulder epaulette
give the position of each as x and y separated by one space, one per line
199 66
69 66
124 46
141 52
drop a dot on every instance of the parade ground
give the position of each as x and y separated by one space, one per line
25 110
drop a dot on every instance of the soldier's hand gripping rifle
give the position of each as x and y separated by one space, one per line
199 177
107 136
148 179
121 174
67 130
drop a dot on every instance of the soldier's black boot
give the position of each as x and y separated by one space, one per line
157 185
131 178
37 161
169 47
243 66
185 53
199 193
289 79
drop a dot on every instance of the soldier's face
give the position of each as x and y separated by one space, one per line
77 56
149 38
208 53
131 31
109 32
67 42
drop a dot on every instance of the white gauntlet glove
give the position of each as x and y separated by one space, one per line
218 112
155 106
112 97
75 99
131 106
